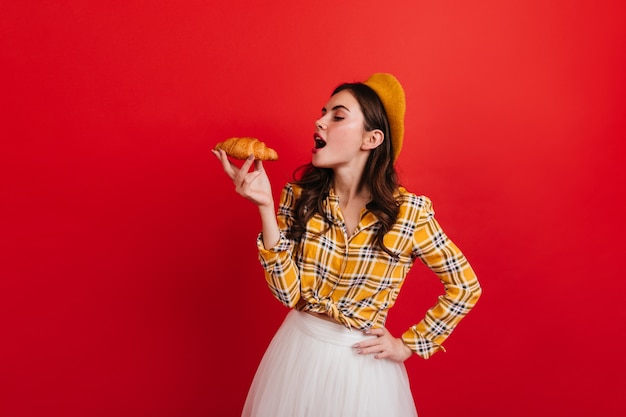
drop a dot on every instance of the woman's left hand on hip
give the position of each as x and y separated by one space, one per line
384 346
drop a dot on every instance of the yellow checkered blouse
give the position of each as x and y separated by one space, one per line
356 283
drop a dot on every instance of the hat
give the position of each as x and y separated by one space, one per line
391 94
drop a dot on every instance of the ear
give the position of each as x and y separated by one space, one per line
372 139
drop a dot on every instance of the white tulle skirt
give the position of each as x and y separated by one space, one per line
311 370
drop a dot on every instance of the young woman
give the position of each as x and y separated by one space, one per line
337 253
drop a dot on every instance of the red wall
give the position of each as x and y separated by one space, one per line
129 283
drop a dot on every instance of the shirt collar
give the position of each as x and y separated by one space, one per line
332 211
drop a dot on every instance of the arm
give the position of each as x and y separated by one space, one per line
270 232
461 286
254 186
275 250
281 271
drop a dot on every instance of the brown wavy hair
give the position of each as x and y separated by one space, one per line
380 174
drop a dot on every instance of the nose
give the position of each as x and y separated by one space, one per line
319 123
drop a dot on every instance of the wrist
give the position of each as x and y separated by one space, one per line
267 208
407 351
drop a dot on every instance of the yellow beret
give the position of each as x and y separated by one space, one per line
391 93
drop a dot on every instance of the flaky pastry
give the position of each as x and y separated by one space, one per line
241 148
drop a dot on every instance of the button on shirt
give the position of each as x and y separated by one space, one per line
356 283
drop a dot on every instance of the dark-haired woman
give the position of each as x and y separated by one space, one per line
337 252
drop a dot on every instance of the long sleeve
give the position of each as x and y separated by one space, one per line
281 272
462 290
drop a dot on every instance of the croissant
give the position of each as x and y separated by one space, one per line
241 148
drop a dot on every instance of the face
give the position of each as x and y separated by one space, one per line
340 133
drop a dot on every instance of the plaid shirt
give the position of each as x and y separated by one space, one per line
356 283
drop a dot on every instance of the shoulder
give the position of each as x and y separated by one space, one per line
291 190
290 193
414 207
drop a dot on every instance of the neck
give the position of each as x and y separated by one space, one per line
347 188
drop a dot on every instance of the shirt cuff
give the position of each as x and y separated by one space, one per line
420 345
271 255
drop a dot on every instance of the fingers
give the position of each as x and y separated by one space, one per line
246 165
381 331
229 167
383 346
242 176
382 355
252 184
373 345
369 346
237 174
242 183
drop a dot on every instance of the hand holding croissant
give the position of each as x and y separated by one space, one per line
253 185
241 148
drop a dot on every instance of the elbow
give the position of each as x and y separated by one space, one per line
475 292
292 303
468 292
286 298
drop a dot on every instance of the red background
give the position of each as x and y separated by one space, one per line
129 281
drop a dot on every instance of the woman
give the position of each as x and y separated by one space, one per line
337 253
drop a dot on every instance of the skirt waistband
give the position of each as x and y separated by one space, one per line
327 331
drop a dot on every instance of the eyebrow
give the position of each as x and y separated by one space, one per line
339 106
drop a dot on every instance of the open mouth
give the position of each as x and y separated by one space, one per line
319 142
